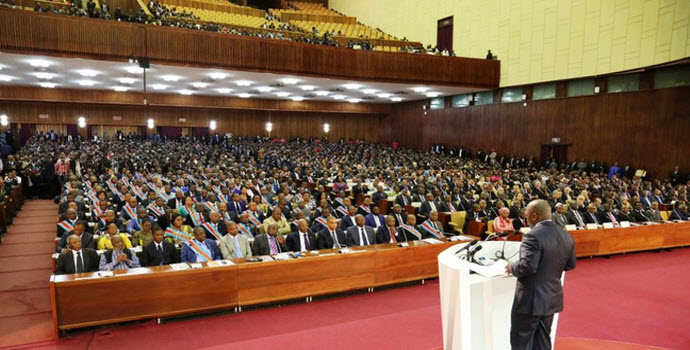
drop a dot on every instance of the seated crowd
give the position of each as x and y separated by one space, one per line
220 198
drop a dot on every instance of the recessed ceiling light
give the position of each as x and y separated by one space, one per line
127 81
307 87
218 75
135 70
322 93
40 63
224 90
396 99
264 88
243 83
282 94
186 92
244 95
86 82
369 91
171 77
384 95
339 97
6 78
289 81
120 88
159 86
44 75
432 94
297 98
352 86
88 73
420 89
200 85
47 85
353 100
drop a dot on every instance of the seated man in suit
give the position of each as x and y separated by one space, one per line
476 215
559 216
76 259
67 224
429 205
349 220
639 214
301 240
432 228
681 213
365 208
109 219
591 215
653 213
403 199
399 215
135 224
389 233
321 221
159 251
332 237
378 195
214 227
520 221
624 214
574 216
360 234
410 229
234 245
277 219
374 219
199 249
118 257
106 241
606 215
79 230
447 205
269 243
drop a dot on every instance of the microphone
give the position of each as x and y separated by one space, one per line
468 246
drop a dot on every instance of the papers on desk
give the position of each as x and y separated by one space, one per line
195 266
459 238
282 256
625 223
608 225
524 230
265 258
104 273
431 241
591 226
179 266
498 268
219 263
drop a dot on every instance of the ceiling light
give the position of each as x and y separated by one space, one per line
326 128
396 99
86 82
298 98
159 86
4 122
369 91
353 100
185 92
135 70
88 73
420 89
432 94
307 87
218 75
339 97
352 86
322 93
200 85
3 117
224 90
44 75
212 125
264 88
244 95
290 81
47 85
81 122
384 95
120 88
171 77
127 81
243 83
150 123
6 78
269 126
40 63
282 94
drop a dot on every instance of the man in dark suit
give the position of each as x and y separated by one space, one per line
301 240
214 226
639 214
403 199
332 236
574 216
624 214
429 205
269 243
545 253
399 215
388 233
160 251
590 215
76 260
378 195
559 217
360 234
79 230
177 202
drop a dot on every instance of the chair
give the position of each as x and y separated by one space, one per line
457 221
664 215
490 227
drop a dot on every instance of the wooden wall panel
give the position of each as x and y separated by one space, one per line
49 34
645 128
237 122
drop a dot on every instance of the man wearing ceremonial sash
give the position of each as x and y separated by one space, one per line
135 224
199 249
432 226
215 228
196 218
129 210
256 216
246 228
157 209
410 230
364 209
67 225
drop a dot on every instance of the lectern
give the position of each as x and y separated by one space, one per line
475 310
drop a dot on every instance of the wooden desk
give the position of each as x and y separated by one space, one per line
475 228
159 291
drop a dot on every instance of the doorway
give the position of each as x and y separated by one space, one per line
444 34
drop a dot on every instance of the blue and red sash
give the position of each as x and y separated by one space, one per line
139 193
245 230
322 221
198 250
210 206
197 219
98 211
252 217
92 196
412 230
212 230
365 208
156 211
66 226
129 211
428 228
176 234
343 211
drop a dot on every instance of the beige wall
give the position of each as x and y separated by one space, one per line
542 40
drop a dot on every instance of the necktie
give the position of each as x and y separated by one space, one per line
80 264
272 245
335 239
613 218
404 200
400 220
392 236
363 239
579 219
594 218
307 244
159 249
238 251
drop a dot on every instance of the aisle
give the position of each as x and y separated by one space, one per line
25 268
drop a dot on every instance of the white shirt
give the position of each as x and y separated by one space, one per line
376 219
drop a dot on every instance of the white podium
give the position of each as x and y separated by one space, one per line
475 310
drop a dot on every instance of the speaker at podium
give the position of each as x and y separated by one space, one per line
477 295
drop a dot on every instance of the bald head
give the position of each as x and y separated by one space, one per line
537 211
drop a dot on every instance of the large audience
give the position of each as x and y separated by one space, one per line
225 198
